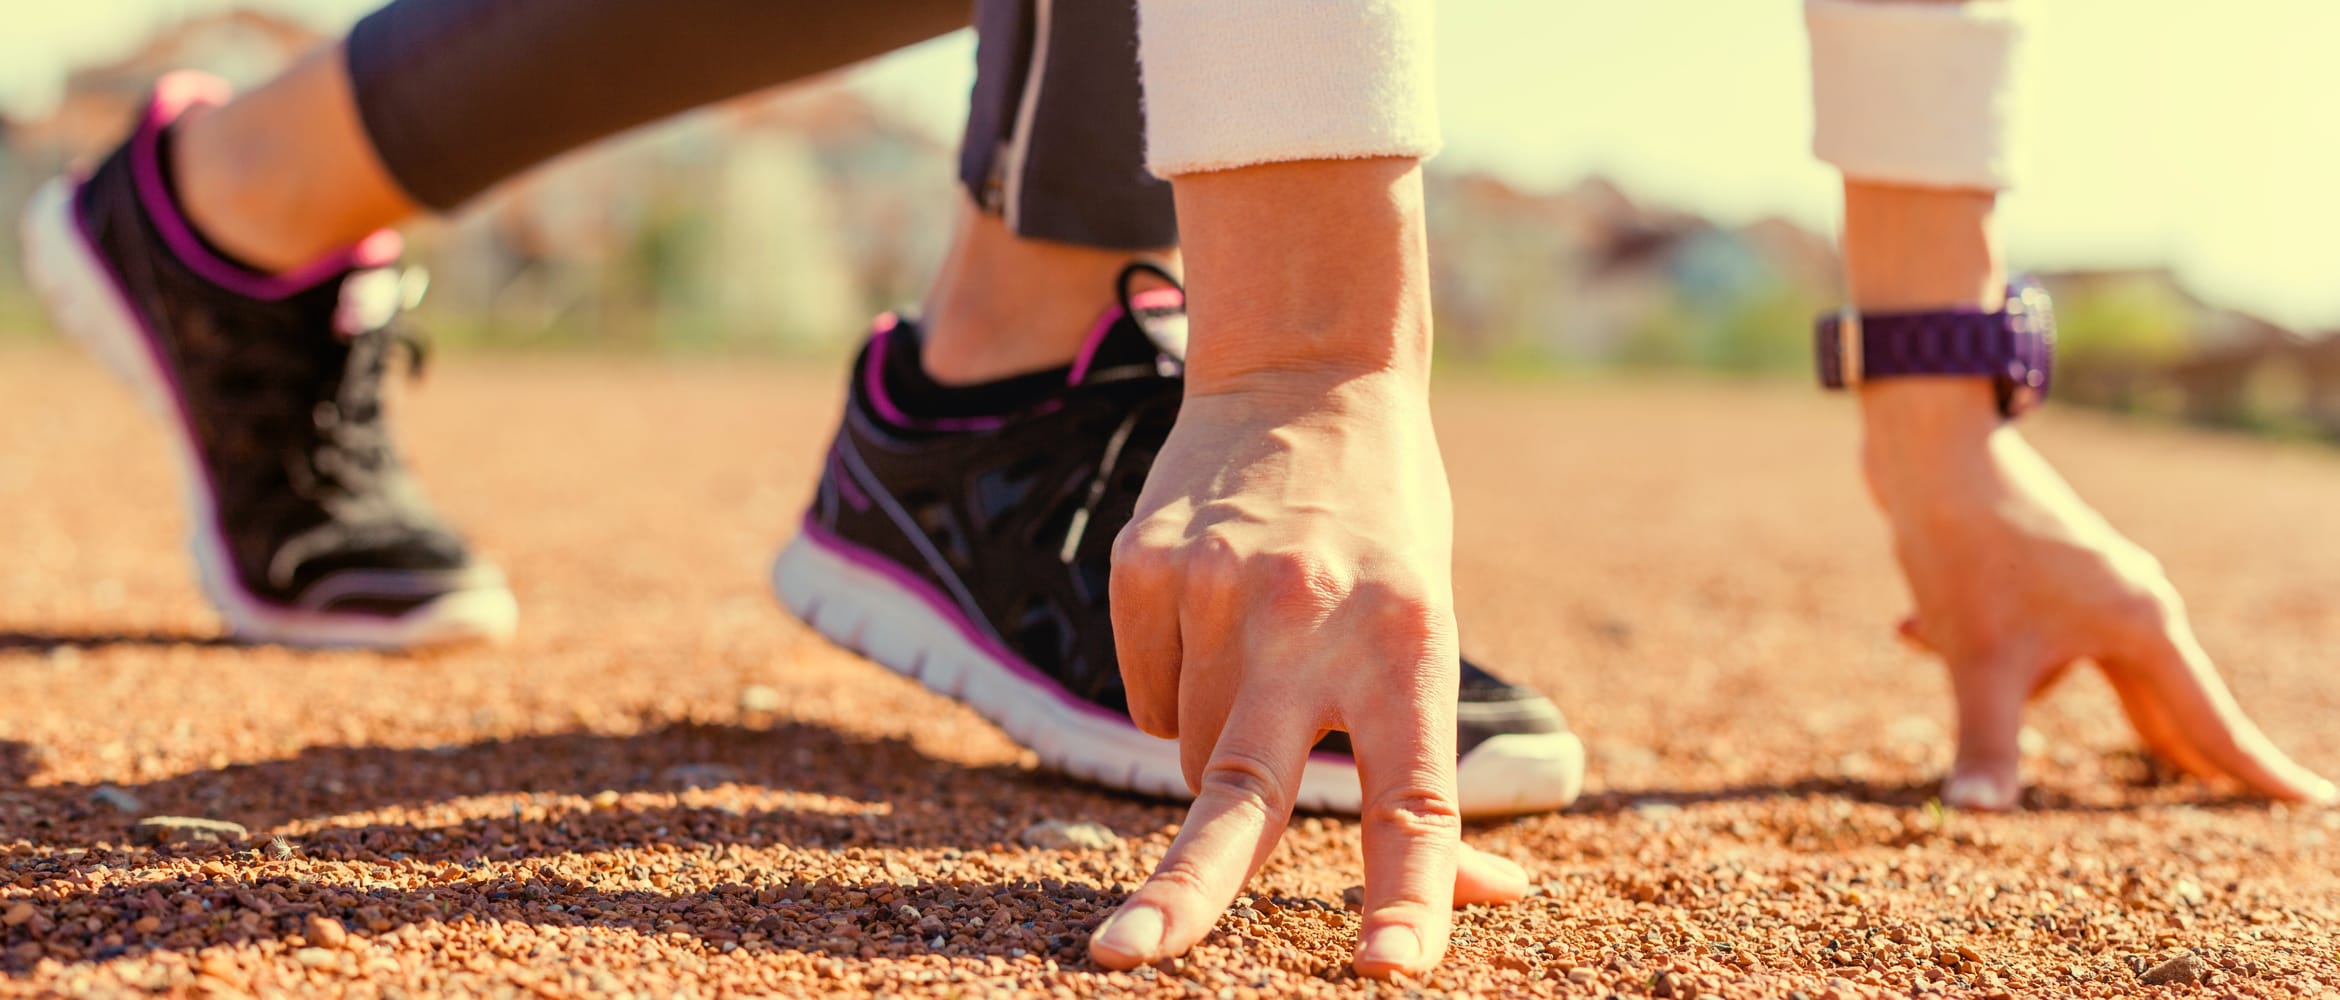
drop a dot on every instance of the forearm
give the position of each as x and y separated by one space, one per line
1293 135
1910 248
1910 102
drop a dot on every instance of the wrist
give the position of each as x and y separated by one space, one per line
1308 359
1920 437
1931 412
1306 273
1306 399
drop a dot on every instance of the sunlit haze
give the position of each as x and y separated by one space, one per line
2195 135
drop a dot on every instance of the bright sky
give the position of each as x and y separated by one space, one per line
2195 134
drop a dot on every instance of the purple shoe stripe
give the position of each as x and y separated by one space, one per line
169 372
845 485
1090 343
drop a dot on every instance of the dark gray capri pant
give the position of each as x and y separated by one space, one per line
458 95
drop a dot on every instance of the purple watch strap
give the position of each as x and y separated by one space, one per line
1923 343
2014 348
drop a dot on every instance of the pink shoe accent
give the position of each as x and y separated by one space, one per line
1089 345
1159 298
1154 298
873 385
174 95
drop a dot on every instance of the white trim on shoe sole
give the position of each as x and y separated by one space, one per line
864 604
85 303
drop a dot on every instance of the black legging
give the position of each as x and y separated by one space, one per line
458 95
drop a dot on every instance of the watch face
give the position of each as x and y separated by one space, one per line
2031 329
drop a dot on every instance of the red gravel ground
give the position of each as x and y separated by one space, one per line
666 787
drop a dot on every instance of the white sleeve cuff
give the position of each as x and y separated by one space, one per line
1916 93
1234 83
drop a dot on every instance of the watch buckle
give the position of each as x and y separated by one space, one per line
1848 347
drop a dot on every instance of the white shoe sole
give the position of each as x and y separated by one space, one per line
85 304
863 603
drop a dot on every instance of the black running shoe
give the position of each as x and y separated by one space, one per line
963 538
306 528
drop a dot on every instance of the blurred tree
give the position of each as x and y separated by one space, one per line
2123 323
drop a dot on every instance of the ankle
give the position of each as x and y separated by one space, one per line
971 342
219 194
1004 305
284 175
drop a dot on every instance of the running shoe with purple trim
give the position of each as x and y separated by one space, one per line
306 527
963 537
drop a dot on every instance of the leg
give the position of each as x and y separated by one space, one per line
430 102
228 261
1058 195
286 174
1005 304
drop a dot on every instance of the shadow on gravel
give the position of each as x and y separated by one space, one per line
2037 799
886 787
819 917
690 791
1618 801
18 763
50 642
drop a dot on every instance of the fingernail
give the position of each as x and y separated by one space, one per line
1394 945
1135 933
1976 791
2322 792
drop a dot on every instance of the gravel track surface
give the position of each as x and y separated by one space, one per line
667 787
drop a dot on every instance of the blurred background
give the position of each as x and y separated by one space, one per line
1626 186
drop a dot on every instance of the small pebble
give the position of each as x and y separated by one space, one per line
760 699
186 829
2185 969
700 775
1057 835
117 799
325 932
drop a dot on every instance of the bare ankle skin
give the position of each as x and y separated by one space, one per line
286 174
1005 305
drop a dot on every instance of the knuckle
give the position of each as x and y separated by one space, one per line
1214 563
1296 586
1136 557
1406 616
1417 811
1179 875
1243 780
2147 607
1152 721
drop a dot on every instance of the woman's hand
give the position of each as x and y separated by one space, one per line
2016 579
1286 574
